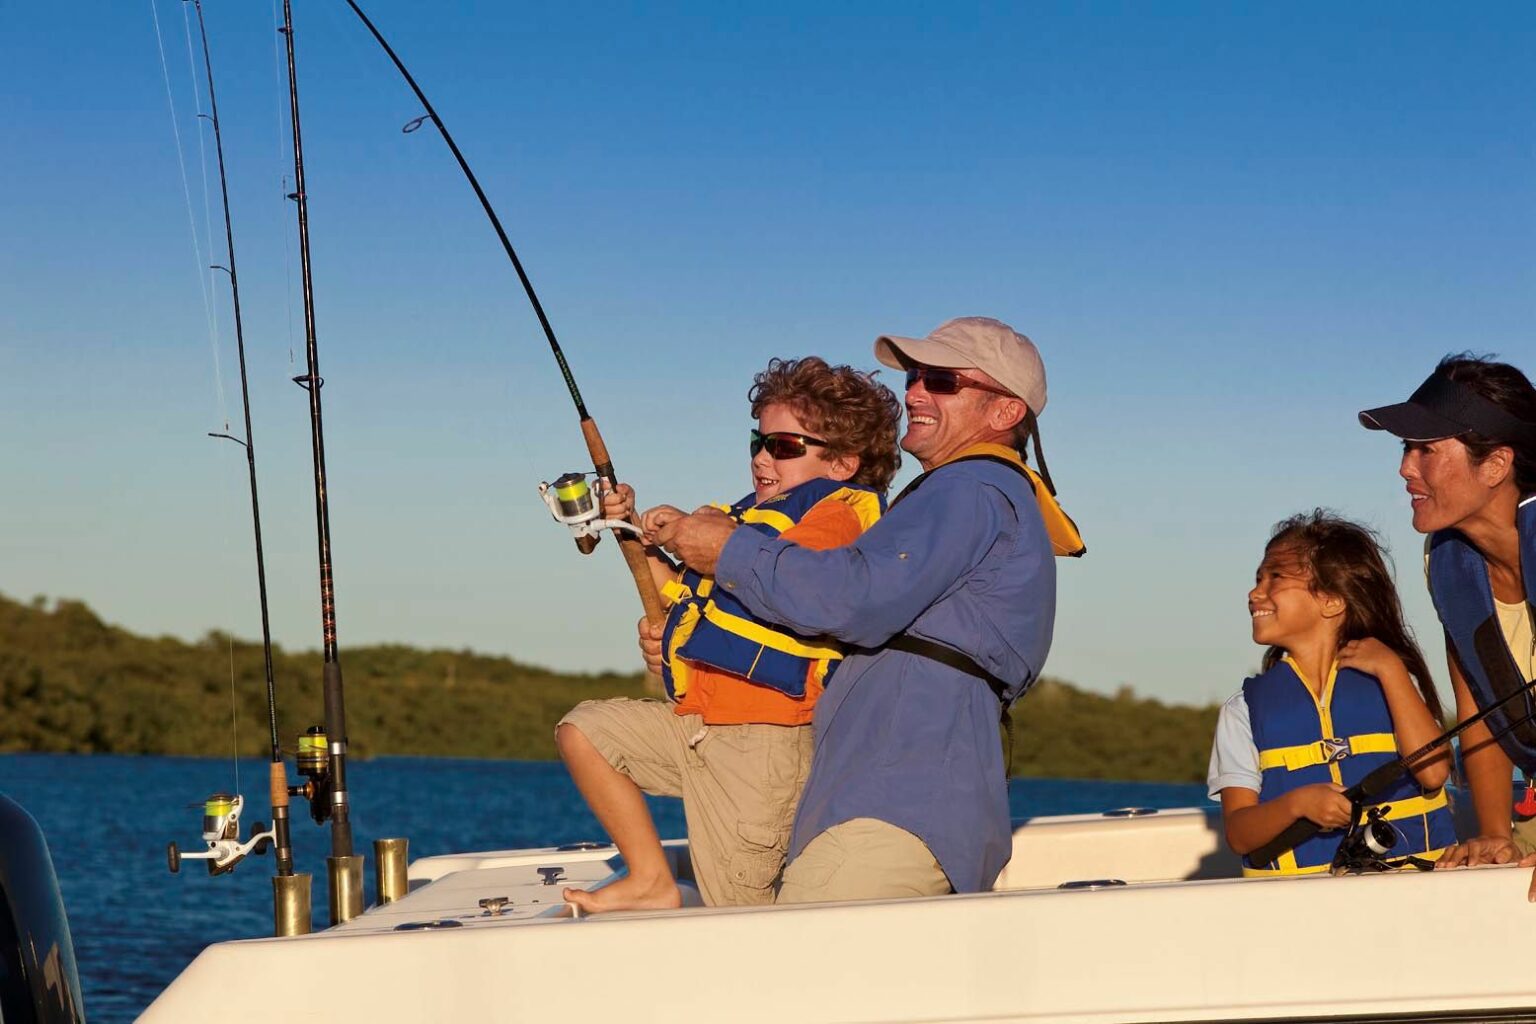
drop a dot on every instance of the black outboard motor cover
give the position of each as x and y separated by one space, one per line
38 980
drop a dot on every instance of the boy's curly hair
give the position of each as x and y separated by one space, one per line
850 410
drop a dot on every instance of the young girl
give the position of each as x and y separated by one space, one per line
735 741
1337 698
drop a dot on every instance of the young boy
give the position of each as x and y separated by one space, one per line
735 743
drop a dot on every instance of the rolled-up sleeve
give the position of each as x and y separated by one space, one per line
1234 758
869 591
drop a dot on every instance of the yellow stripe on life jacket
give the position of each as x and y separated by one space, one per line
778 520
771 638
1323 752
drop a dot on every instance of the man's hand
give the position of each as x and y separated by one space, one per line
697 539
650 645
1323 803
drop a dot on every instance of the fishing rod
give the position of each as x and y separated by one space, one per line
277 775
322 757
629 545
1379 780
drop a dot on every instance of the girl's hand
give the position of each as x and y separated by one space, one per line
1370 656
619 502
1322 803
653 519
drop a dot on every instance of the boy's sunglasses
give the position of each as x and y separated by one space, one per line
942 381
784 445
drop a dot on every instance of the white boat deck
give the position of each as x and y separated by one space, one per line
1184 940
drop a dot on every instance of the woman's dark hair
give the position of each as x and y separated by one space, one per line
1346 560
1509 389
850 410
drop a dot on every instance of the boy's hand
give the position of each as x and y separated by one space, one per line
1322 803
650 645
653 519
619 502
698 539
1370 656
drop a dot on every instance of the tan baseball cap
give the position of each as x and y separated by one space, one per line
974 342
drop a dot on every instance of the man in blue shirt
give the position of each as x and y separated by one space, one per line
947 604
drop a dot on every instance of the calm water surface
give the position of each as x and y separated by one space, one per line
136 926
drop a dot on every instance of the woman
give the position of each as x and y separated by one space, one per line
1469 458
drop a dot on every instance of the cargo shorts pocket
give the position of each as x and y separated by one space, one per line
759 855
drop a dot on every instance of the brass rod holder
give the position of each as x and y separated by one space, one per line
346 877
291 904
389 875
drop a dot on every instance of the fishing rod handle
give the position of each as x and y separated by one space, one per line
1298 832
629 546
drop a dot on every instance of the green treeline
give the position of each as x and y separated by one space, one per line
71 683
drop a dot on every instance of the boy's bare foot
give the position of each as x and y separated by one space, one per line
628 893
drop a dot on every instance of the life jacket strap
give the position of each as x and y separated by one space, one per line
958 660
1326 751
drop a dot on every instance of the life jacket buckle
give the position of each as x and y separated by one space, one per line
1334 749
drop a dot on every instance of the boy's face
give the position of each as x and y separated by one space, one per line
771 476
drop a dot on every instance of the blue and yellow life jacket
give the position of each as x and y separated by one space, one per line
1339 738
707 626
1458 581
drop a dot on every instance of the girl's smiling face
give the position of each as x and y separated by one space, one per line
1284 608
772 477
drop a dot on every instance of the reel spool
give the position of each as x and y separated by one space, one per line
575 504
221 831
313 762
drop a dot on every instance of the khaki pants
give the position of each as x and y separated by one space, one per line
1524 835
863 859
739 783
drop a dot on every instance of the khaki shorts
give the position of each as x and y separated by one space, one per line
863 859
739 783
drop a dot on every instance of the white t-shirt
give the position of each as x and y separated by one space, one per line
1234 757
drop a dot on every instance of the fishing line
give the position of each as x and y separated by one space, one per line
186 189
282 161
202 165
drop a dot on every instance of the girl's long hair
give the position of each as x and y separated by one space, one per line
1345 559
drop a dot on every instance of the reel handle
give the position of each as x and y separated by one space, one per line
173 858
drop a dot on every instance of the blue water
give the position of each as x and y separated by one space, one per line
135 925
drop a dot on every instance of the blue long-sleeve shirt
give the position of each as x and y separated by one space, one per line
964 561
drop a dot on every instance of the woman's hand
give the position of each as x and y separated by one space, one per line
619 502
650 645
1370 656
1322 803
652 520
1482 850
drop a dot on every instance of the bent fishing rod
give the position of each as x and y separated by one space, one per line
277 774
331 799
630 546
1379 780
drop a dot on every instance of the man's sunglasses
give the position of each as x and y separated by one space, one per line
942 381
784 445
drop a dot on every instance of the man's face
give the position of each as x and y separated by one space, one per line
941 426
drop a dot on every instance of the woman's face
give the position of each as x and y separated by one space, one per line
1444 485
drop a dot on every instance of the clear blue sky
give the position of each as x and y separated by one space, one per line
1228 227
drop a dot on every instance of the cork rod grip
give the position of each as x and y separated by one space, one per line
277 783
629 545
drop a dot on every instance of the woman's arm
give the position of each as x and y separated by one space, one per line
1251 823
1411 718
1489 776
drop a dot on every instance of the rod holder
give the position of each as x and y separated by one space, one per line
291 904
346 877
390 857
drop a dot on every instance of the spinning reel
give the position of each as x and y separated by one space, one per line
575 503
221 831
1365 846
